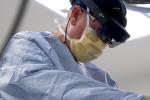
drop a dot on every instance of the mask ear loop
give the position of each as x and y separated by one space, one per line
63 32
88 20
66 36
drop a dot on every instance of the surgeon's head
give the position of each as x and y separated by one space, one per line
91 25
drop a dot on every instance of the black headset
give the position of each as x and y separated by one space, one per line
112 32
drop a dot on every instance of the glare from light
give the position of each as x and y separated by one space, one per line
143 5
138 25
56 5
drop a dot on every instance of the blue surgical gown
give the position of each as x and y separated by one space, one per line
37 66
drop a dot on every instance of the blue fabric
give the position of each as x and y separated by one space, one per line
37 66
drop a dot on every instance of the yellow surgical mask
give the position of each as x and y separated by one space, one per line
88 47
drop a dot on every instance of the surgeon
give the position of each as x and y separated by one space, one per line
56 65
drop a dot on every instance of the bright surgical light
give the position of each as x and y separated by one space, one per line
58 6
138 24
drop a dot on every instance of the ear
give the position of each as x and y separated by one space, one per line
75 13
